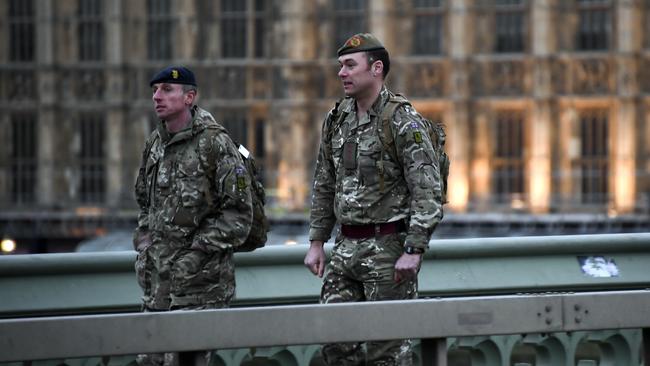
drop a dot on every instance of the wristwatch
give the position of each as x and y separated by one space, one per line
413 250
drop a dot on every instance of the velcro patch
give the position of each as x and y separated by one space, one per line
417 136
241 182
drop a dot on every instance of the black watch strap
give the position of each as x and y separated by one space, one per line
413 250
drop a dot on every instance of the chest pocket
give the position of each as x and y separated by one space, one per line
337 151
369 155
193 193
151 174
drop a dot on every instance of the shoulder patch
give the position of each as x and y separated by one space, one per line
241 178
417 136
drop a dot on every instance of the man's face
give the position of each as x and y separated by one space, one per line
170 101
355 74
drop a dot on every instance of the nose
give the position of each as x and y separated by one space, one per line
156 95
342 72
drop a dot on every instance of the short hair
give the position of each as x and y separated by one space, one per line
187 87
379 55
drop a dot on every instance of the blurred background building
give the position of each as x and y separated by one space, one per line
546 103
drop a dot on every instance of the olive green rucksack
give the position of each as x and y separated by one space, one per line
260 223
436 132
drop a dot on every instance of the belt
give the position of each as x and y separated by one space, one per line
370 230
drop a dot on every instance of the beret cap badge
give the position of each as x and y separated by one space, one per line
355 41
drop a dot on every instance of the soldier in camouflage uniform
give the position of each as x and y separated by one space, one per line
387 209
195 205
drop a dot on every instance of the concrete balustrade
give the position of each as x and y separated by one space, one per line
463 271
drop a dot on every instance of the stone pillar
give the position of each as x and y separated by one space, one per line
538 167
184 34
380 22
480 175
115 114
567 147
461 185
623 159
457 129
539 163
135 25
292 119
47 99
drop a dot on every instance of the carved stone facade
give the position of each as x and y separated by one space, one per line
546 102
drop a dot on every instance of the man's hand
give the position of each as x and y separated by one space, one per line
407 266
315 258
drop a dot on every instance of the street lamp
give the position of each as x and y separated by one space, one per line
7 245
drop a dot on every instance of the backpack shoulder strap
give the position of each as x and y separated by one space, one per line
335 118
387 133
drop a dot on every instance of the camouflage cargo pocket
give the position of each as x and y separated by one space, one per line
143 269
187 271
196 273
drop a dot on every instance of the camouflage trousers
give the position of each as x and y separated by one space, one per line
363 270
173 277
179 278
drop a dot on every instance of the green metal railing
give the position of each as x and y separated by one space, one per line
464 271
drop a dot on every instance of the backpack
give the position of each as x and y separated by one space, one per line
386 135
260 223
436 132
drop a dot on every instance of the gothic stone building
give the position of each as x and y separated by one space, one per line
545 101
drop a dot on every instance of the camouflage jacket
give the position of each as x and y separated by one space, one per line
346 181
192 186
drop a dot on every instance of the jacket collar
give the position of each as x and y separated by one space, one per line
193 127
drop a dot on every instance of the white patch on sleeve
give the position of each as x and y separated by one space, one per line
244 151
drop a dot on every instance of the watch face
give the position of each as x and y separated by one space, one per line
413 250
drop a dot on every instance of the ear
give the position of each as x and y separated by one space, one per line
190 96
378 67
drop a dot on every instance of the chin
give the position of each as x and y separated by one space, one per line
349 93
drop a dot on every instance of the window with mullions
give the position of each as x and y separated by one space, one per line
510 21
508 157
592 167
263 17
92 159
594 25
234 30
23 158
238 20
22 30
159 30
91 30
427 27
349 18
260 148
236 122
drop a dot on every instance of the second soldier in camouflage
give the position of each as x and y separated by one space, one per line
387 206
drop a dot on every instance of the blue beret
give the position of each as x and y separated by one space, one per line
174 75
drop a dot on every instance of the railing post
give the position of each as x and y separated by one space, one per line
434 351
646 346
192 358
